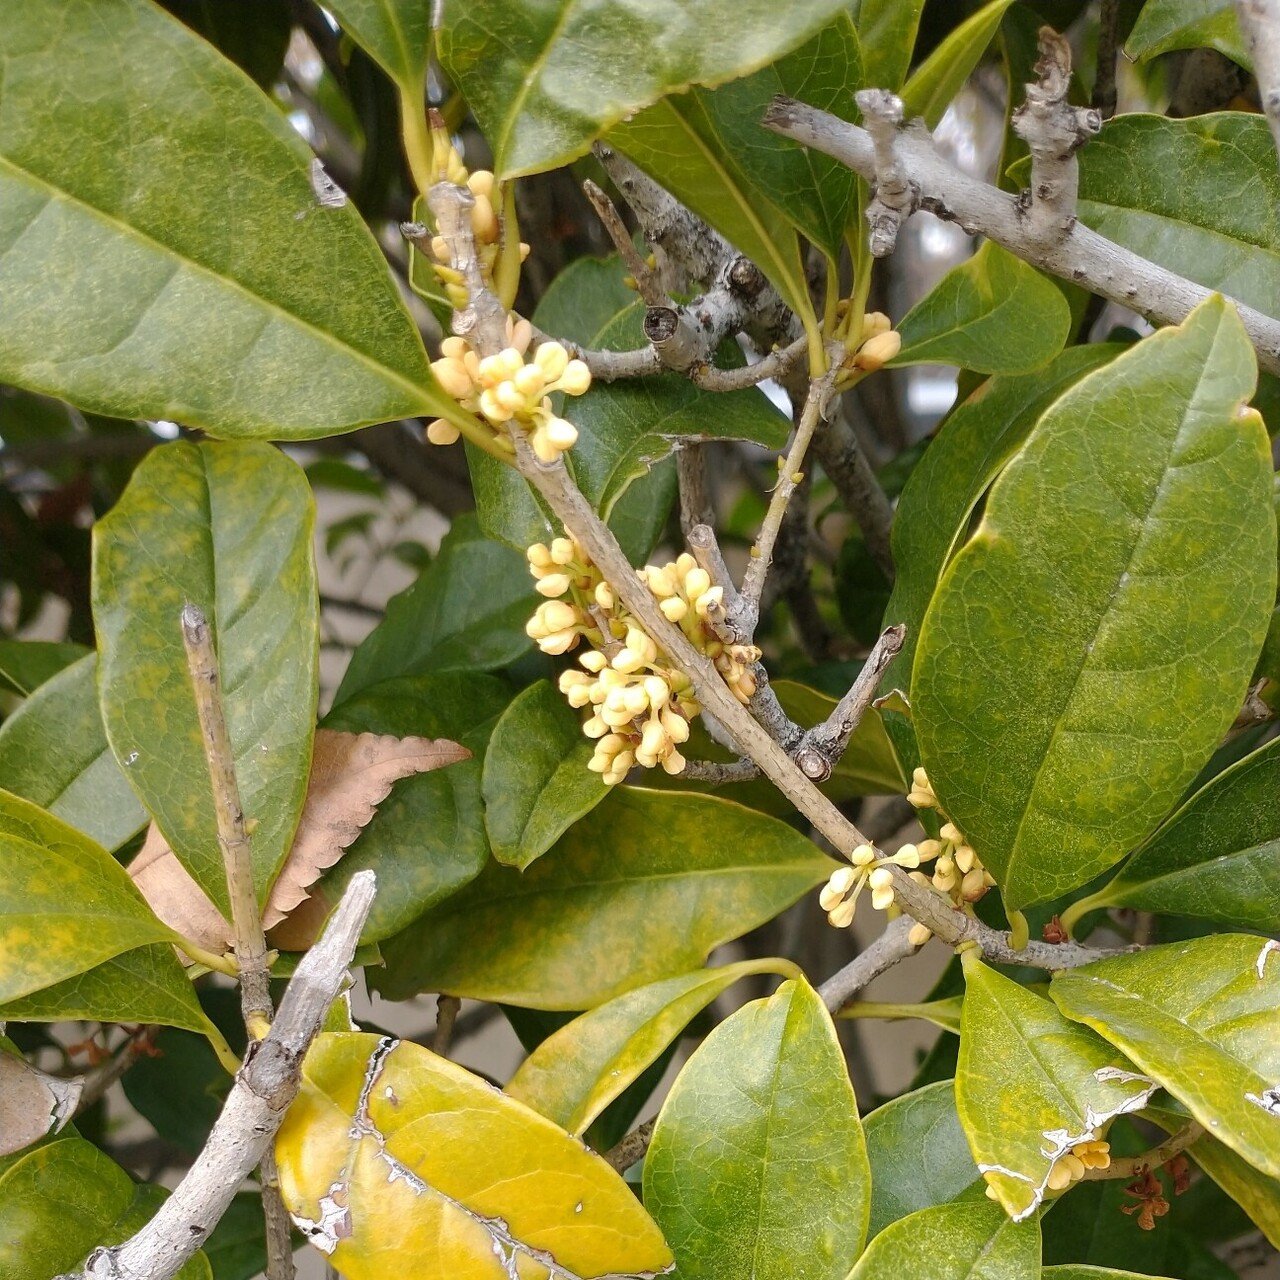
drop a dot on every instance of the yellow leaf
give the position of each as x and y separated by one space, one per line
394 1161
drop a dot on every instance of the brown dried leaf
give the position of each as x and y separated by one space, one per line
32 1103
351 774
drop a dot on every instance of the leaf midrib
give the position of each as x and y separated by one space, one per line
127 231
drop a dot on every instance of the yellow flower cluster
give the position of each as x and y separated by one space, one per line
880 342
484 226
639 707
957 872
1070 1167
507 386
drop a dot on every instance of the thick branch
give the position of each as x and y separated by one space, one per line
1104 80
255 1107
890 947
1082 255
1260 23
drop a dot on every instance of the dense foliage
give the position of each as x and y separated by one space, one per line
714 646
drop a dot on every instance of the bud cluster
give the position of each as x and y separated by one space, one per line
638 705
1071 1166
957 872
508 387
879 343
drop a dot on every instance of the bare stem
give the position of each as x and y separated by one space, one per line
630 1149
447 1008
886 951
1136 1166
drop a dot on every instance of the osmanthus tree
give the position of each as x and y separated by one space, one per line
581 752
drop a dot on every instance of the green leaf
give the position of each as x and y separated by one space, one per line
943 73
427 839
577 1071
971 448
918 1153
641 888
993 314
1082 1271
138 169
1061 693
809 188
146 985
536 781
887 29
26 664
1139 186
545 79
396 34
40 1239
943 1013
1218 857
435 1172
54 752
466 612
968 1239
1030 1085
758 1165
1202 1019
66 904
676 142
227 527
1166 25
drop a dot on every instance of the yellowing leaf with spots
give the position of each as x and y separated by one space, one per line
394 1161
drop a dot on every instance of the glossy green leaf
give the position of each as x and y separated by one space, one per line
466 612
26 664
1083 1271
1061 694
641 888
40 1239
758 1166
395 33
227 527
136 168
1141 184
972 447
392 1158
968 1239
887 29
545 79
1218 857
577 1071
918 1153
943 73
536 781
54 752
676 142
992 314
1030 1085
147 985
809 188
427 839
1166 25
66 905
1203 1020
942 1013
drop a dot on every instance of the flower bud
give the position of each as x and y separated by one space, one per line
595 727
480 183
965 857
484 222
972 886
841 917
575 379
653 739
918 935
658 691
552 359
594 661
708 601
442 432
452 377
929 849
529 381
454 347
876 352
563 550
640 643
882 899
539 556
635 700
673 608
673 762
863 856
493 409
440 249
921 799
907 856
627 660
561 433
881 878
696 582
874 323
676 725
951 832
554 584
519 334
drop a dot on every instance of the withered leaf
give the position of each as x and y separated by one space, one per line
32 1103
351 774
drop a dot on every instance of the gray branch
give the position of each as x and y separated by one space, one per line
264 1087
890 947
1081 255
1260 23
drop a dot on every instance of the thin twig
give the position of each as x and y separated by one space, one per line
246 920
128 1051
264 1087
1136 1166
1104 81
887 950
746 612
1260 24
446 1018
825 743
715 772
630 1149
